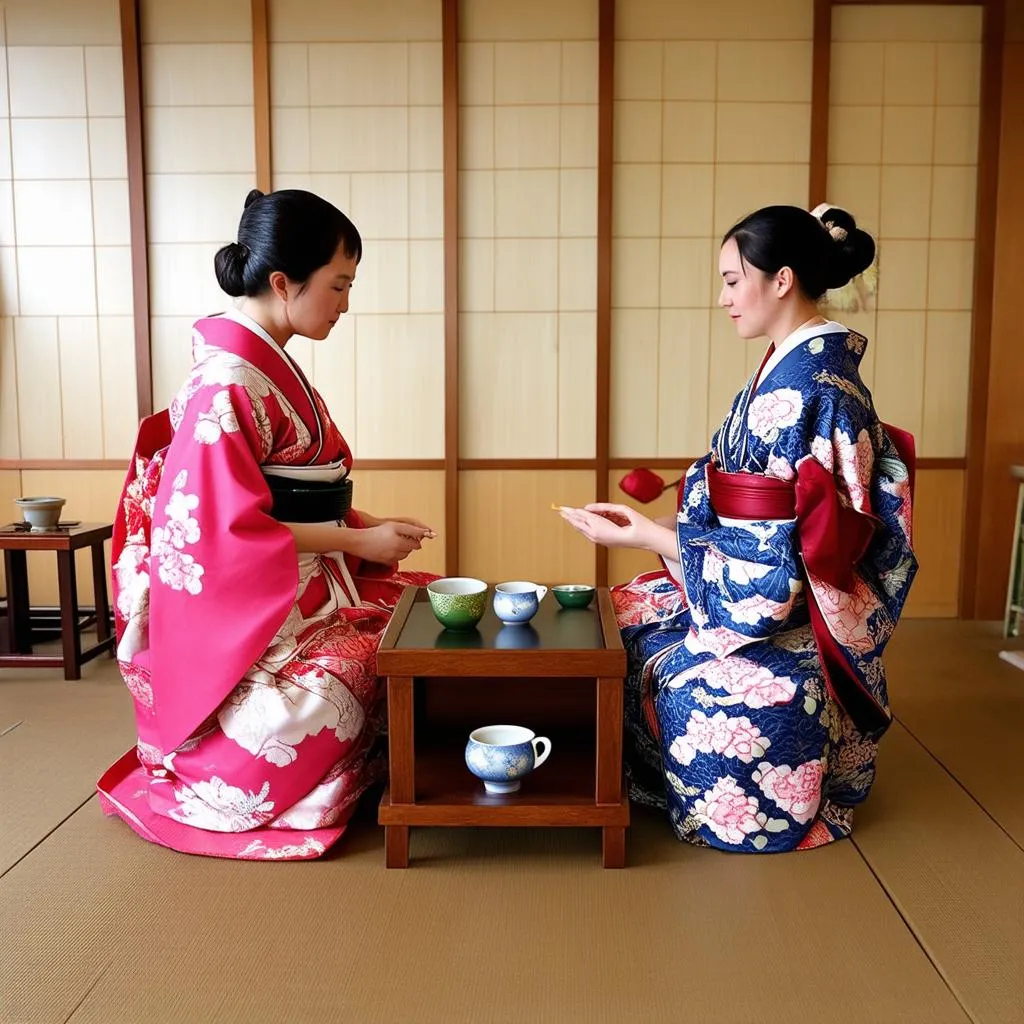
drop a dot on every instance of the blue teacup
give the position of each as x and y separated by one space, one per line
502 755
516 603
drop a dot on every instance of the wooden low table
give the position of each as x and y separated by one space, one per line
15 541
561 676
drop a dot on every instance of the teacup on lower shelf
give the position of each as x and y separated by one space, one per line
503 755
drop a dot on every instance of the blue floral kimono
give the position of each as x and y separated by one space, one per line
756 691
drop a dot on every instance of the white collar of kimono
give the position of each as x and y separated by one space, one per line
247 321
797 338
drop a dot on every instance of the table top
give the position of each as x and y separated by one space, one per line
556 642
17 537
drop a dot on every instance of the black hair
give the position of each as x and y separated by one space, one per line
823 253
293 231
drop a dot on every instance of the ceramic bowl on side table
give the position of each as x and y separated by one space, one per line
458 602
41 514
573 595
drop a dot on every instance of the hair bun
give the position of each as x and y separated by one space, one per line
229 266
252 197
854 249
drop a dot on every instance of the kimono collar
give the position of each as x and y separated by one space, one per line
794 341
237 332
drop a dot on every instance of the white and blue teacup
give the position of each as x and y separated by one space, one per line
502 755
516 603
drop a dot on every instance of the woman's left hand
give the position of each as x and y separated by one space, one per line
431 532
593 522
370 521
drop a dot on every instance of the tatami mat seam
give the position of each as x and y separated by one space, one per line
88 991
988 814
42 839
913 931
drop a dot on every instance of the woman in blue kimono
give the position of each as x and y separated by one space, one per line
756 693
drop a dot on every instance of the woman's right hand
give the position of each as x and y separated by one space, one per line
390 541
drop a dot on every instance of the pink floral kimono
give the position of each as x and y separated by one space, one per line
252 667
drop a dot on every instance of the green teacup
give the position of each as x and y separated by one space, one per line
458 602
573 595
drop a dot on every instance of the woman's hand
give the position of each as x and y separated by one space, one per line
431 533
371 521
390 541
594 523
599 523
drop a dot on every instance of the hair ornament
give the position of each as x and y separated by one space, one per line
838 234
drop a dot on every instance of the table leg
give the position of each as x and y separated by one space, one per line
99 586
396 846
609 741
613 847
70 637
401 744
19 612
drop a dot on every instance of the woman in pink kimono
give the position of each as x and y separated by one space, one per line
250 595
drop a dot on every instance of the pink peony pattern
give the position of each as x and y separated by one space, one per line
750 611
856 460
797 791
773 412
650 597
780 468
744 681
713 566
729 812
719 641
821 450
731 737
848 614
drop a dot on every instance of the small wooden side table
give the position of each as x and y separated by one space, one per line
561 675
15 541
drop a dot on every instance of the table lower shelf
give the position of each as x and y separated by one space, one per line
560 793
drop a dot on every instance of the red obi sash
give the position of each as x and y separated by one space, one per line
833 539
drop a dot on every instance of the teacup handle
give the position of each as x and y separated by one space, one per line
539 759
541 591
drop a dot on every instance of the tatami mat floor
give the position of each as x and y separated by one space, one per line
919 919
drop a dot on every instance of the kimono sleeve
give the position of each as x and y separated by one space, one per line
224 573
833 494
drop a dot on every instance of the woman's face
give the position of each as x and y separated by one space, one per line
314 310
746 293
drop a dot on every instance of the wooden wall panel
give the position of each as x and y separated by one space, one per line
509 531
902 155
709 125
938 527
198 127
411 493
1004 434
528 122
63 218
10 488
625 563
91 497
356 116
